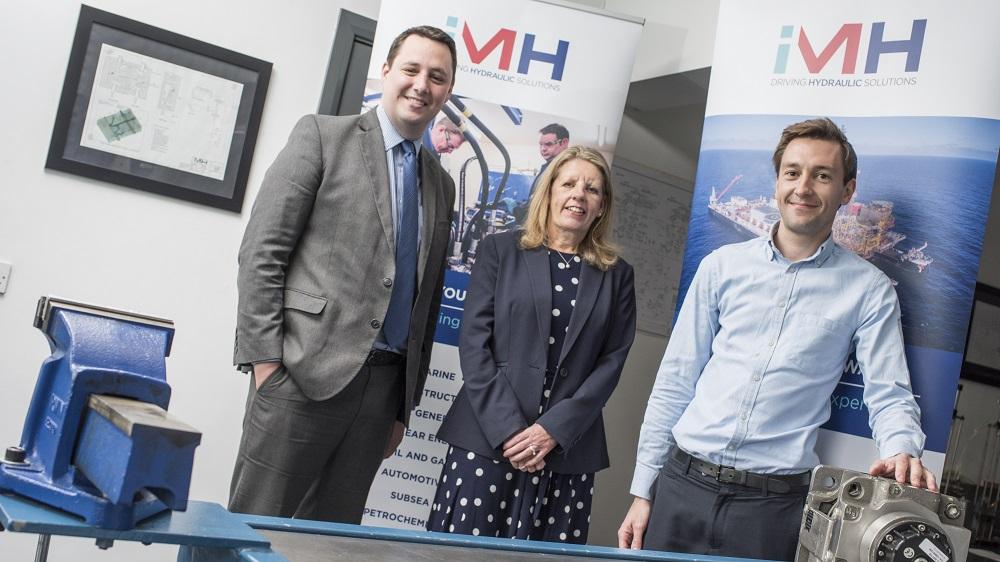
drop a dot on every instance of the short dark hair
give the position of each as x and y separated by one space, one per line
427 32
822 129
555 129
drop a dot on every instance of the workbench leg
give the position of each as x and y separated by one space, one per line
42 551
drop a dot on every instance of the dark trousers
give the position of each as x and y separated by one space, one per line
699 515
314 459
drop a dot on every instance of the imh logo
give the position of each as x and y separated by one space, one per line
849 37
506 40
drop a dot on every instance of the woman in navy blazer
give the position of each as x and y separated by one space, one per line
549 319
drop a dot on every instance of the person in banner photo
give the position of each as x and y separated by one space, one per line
549 319
444 137
553 140
340 277
759 344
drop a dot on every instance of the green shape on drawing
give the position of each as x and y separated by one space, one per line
119 125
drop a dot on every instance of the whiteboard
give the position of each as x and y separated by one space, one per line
651 220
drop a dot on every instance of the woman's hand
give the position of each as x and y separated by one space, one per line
526 450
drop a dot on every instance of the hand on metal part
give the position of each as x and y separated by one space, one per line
395 437
261 372
633 528
905 469
526 450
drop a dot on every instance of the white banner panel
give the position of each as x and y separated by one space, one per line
913 84
912 58
522 65
535 56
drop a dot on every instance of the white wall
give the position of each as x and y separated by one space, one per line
105 244
679 35
100 243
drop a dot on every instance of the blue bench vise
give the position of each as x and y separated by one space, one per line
97 441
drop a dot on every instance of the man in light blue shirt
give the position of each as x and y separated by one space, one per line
761 340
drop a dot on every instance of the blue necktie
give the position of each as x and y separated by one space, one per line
397 319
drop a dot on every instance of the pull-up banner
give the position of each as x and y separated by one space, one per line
914 85
522 65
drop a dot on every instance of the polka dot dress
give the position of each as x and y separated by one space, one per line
483 497
479 496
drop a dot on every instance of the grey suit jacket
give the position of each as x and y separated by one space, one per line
317 258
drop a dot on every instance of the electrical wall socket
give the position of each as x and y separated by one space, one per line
4 276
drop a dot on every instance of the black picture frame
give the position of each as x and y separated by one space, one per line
982 348
141 59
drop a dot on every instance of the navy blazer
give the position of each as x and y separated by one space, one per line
504 350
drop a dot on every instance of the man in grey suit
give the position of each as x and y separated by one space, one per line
340 278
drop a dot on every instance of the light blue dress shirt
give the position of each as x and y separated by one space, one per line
394 163
758 348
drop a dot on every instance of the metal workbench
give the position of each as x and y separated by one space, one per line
206 532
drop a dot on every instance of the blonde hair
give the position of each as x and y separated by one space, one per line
596 248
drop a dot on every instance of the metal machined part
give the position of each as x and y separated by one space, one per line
851 516
46 304
99 413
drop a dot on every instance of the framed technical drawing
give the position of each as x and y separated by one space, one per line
982 350
150 109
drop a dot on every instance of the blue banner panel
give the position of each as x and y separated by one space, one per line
452 303
934 376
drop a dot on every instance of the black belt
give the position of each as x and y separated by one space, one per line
381 357
780 483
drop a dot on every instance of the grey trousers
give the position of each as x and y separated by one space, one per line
695 514
314 459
